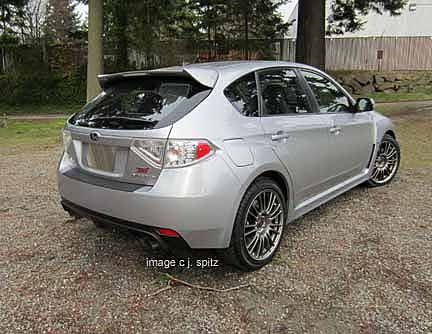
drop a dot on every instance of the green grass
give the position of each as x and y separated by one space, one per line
33 133
39 109
392 109
389 110
400 97
414 134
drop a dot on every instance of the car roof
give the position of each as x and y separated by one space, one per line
236 68
244 65
206 73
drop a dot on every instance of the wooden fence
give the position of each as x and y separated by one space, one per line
365 53
372 53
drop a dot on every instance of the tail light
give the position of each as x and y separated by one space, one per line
150 150
181 153
168 232
67 139
67 144
172 153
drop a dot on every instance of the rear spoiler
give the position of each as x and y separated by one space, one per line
206 77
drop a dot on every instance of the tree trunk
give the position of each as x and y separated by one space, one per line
95 47
215 43
121 17
246 30
3 69
209 42
310 44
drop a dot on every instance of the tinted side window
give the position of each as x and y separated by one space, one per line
282 93
329 97
243 95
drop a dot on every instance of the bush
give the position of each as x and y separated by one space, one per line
47 88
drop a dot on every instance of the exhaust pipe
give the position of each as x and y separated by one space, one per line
152 238
152 243
71 213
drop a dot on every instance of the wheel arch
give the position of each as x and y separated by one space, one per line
390 133
282 180
269 166
279 179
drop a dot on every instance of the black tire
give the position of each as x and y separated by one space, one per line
237 253
386 139
99 224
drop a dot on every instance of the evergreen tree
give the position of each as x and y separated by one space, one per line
11 16
148 26
346 16
62 21
116 21
245 25
143 26
212 21
11 23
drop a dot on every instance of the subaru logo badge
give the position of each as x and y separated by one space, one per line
94 136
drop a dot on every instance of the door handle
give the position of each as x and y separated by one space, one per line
280 135
335 129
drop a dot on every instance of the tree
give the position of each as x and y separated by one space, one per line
116 24
310 43
143 27
211 16
34 21
345 17
11 13
95 47
11 21
154 23
61 21
269 26
246 25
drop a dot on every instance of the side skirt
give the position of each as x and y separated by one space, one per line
328 195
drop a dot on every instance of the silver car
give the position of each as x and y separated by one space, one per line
220 155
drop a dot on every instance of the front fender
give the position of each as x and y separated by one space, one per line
382 126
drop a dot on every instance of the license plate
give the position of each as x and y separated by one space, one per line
101 157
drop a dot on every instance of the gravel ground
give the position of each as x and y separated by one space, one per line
359 264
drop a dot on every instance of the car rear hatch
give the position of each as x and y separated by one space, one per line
121 135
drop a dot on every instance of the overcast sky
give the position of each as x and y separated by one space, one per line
82 11
285 10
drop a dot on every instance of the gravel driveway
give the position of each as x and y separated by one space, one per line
359 264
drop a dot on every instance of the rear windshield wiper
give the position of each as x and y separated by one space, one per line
117 122
122 118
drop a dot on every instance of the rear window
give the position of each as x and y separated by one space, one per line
142 103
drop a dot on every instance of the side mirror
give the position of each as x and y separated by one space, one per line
364 104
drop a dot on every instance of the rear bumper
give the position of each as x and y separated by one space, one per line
198 202
161 241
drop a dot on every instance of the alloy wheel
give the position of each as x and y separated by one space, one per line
263 225
386 162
